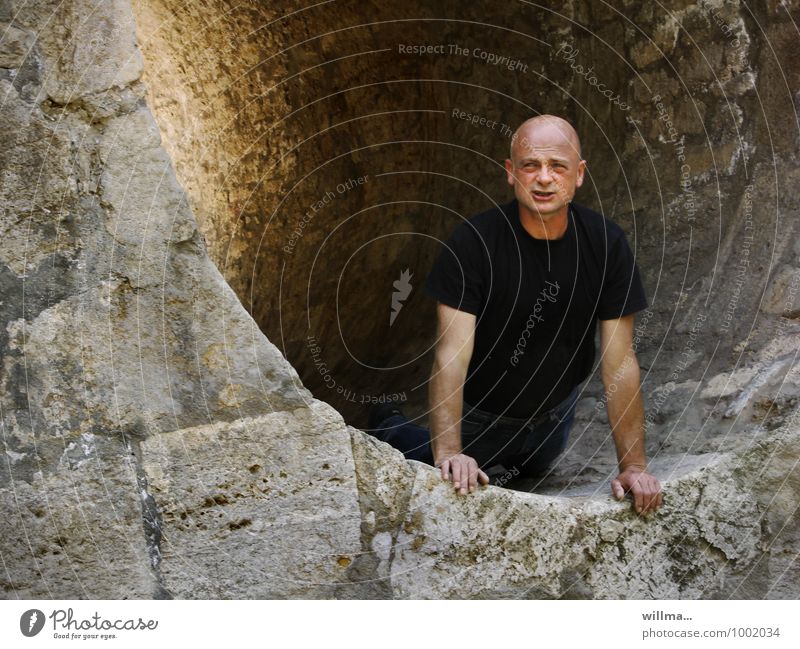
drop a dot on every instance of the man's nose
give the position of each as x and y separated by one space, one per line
544 174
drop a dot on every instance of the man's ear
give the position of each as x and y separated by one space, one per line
510 172
581 170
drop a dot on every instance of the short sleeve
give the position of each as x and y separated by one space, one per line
623 292
456 278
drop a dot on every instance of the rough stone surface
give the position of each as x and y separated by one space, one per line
258 508
115 324
76 531
728 529
157 444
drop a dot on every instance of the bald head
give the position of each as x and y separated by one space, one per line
525 134
545 168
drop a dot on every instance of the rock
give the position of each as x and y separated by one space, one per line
76 532
86 51
275 513
767 390
783 296
15 45
498 543
611 530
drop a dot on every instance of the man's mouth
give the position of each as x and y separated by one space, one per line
543 195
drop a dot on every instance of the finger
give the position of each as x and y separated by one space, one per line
638 496
649 504
656 499
463 483
645 492
617 490
456 470
650 489
483 478
473 475
647 500
445 467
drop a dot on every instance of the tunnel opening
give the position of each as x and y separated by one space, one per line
327 151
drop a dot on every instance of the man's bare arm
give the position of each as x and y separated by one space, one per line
620 373
454 344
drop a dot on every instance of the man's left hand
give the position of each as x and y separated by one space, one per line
644 488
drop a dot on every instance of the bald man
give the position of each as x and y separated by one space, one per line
520 289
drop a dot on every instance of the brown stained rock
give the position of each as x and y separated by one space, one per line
15 46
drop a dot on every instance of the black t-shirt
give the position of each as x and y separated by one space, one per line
537 303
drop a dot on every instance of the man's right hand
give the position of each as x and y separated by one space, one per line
463 471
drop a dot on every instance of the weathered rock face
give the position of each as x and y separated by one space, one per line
708 542
116 325
156 442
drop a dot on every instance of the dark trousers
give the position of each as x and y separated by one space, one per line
527 446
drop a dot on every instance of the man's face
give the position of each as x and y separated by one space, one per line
545 170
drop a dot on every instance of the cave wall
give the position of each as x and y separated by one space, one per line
157 444
691 145
301 183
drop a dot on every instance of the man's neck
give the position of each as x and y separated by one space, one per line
554 226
